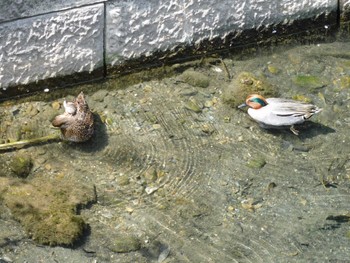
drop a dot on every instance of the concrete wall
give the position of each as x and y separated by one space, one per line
41 39
50 45
135 28
344 7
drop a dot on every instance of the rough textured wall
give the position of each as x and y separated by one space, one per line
140 27
12 9
344 7
345 4
42 39
51 45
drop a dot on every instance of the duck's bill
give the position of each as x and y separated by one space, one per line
242 106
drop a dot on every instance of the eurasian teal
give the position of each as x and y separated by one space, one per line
279 113
77 121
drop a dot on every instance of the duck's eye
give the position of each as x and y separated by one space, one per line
258 100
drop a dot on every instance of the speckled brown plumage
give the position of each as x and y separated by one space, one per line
77 122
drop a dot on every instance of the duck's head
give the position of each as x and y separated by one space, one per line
254 101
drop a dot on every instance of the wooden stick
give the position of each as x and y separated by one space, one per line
30 142
228 75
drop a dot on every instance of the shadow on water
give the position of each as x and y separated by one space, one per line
157 251
7 242
306 130
311 129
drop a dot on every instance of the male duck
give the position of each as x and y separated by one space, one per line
279 113
77 121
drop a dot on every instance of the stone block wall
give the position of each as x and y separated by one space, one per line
344 17
136 28
45 39
51 45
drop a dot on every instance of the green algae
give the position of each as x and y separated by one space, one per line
21 165
256 163
344 82
46 208
125 243
302 98
308 82
193 105
245 84
273 69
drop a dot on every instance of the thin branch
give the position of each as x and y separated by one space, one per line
29 142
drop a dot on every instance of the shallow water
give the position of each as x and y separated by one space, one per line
194 180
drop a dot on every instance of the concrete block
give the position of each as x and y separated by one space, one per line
138 28
13 9
344 19
344 6
51 45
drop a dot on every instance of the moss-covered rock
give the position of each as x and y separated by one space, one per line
194 78
273 69
345 82
257 163
123 180
125 243
193 105
301 97
46 208
21 165
245 84
308 82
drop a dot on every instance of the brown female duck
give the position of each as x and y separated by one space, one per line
77 122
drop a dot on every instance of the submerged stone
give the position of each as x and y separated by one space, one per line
193 105
150 175
308 82
272 69
302 98
344 82
245 84
195 78
21 165
125 243
258 162
123 180
56 105
46 208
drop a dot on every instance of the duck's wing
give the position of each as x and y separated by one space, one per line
62 121
292 108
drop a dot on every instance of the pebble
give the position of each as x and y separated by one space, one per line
125 243
188 92
193 105
56 105
163 255
5 259
194 78
123 180
151 190
31 111
99 95
156 126
208 104
272 69
150 175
